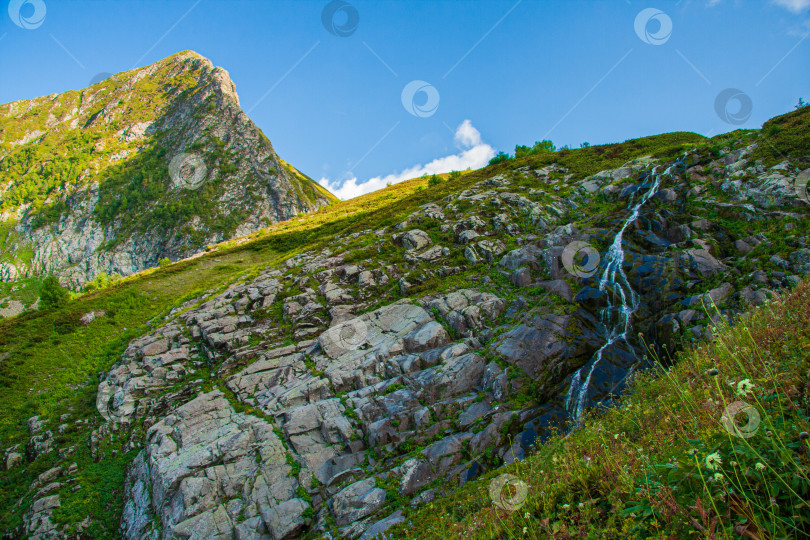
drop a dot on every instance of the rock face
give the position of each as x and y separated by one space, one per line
322 394
167 164
212 472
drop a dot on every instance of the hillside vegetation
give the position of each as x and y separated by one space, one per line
474 335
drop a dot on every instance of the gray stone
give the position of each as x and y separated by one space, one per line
559 287
285 520
666 195
414 239
378 529
429 336
521 277
465 237
743 247
12 460
357 501
702 262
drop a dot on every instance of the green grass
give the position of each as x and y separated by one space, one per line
784 137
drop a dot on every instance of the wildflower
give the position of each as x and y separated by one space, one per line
692 451
759 466
525 530
744 387
713 461
804 436
527 515
713 373
734 463
718 477
566 506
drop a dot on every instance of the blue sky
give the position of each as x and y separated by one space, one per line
494 73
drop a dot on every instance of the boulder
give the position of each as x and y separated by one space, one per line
549 346
357 501
701 262
414 239
521 277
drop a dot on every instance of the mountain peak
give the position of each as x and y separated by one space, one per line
126 138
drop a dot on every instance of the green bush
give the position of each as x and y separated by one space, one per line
101 281
53 295
499 158
164 262
434 181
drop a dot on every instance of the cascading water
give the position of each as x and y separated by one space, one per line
616 316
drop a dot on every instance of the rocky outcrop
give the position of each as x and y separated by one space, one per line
322 394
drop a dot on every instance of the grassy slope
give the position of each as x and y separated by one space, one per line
643 469
54 361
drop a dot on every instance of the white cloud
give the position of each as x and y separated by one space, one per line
796 6
474 154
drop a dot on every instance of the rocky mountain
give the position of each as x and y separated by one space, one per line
150 163
328 377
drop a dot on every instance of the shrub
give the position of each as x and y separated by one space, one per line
164 262
101 281
500 157
52 294
434 181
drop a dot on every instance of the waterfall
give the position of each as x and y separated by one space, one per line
616 316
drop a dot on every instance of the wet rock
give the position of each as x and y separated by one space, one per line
549 344
666 195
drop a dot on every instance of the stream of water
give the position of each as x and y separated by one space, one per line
615 317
